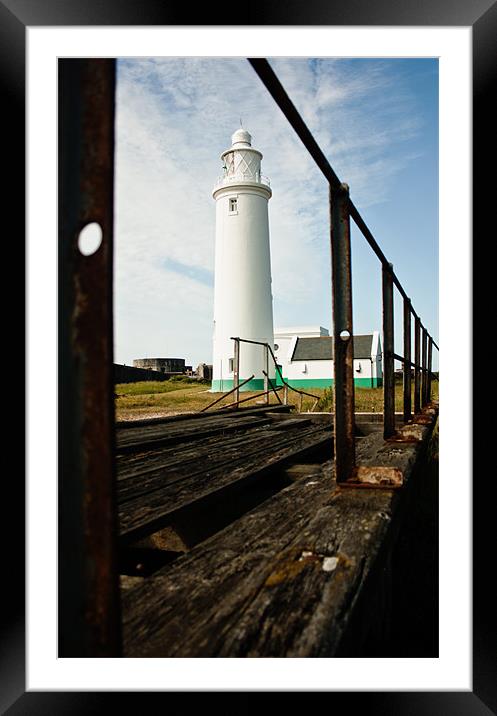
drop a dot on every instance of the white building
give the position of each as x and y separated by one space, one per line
305 355
243 303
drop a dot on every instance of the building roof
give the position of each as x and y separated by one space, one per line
307 331
322 348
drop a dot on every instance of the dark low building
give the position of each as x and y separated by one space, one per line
132 374
162 365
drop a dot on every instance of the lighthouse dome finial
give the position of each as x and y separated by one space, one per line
241 138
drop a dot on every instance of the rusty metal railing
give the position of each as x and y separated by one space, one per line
89 605
268 385
268 351
225 395
342 210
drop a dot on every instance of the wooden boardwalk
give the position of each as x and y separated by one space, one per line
262 553
177 465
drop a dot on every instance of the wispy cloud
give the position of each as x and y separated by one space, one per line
196 273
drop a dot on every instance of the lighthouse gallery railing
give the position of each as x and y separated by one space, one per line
243 176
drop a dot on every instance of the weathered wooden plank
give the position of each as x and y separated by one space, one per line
281 581
152 509
309 597
133 464
287 423
194 457
219 565
186 423
167 481
156 436
309 593
227 412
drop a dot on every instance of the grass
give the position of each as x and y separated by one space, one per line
151 399
151 387
370 400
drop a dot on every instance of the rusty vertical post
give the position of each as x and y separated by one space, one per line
430 351
266 373
417 365
407 360
236 369
423 369
343 347
285 394
388 351
89 603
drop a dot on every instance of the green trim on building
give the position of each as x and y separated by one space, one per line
368 382
223 386
310 382
327 382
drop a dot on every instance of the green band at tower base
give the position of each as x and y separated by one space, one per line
223 386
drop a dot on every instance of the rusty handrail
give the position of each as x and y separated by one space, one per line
272 387
89 620
224 395
249 397
262 343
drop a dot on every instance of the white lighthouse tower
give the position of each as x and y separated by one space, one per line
243 305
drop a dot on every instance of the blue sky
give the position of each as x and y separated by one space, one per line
375 119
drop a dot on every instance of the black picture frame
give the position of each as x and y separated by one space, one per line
481 15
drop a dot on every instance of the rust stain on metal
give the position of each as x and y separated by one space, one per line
422 420
408 434
375 476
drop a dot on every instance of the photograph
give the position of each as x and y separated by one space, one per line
254 269
275 422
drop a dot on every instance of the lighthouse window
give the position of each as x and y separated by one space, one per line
233 204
